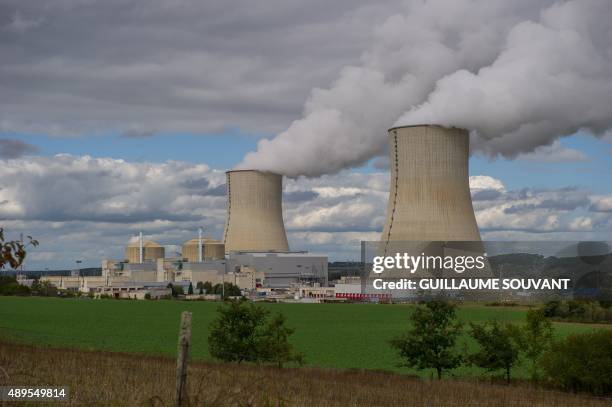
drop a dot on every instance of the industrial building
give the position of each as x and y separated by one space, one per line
283 269
146 270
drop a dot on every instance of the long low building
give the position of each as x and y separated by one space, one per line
270 269
283 269
248 270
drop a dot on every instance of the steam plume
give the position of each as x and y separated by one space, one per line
519 74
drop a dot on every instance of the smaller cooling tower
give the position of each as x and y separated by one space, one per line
254 212
211 250
151 251
429 197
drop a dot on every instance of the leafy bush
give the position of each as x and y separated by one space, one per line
10 286
581 362
243 333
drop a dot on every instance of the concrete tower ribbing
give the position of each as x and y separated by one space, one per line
429 197
254 212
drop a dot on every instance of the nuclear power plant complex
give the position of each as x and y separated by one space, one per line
429 200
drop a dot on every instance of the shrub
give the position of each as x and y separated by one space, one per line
578 311
14 288
242 332
581 362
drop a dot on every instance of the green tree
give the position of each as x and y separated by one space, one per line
430 341
190 289
497 348
237 334
534 338
277 348
208 287
176 289
200 287
231 290
242 332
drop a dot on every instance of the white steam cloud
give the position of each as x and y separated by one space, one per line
519 74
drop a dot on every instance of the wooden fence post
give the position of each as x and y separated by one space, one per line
184 341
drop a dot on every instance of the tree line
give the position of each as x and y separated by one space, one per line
580 362
246 332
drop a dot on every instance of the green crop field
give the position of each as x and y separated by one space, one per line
329 335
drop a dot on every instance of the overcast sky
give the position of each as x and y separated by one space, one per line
120 116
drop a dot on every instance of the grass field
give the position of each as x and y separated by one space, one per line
119 379
330 335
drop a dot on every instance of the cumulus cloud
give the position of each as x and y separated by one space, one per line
518 74
601 203
69 188
485 182
536 211
10 148
88 208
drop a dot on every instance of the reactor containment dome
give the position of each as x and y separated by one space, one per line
139 252
210 250
254 220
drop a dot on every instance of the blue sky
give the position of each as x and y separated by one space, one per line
593 174
226 149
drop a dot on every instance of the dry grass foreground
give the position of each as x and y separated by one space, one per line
103 378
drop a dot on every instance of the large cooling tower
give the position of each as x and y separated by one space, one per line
254 212
429 197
